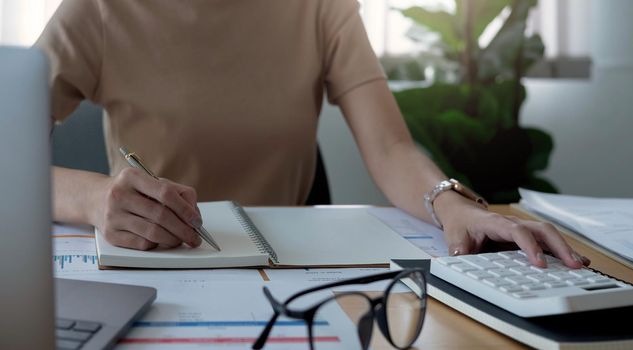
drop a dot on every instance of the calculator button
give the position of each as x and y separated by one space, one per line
478 274
523 262
512 255
524 295
598 279
501 272
561 275
449 260
583 273
533 286
522 270
555 284
519 280
496 282
491 256
505 263
463 267
510 288
576 282
484 265
558 267
540 277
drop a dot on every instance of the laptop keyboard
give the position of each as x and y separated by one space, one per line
72 334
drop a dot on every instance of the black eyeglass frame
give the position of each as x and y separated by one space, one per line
378 311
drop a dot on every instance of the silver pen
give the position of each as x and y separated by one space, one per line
134 160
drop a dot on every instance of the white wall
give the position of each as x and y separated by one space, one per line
591 121
347 175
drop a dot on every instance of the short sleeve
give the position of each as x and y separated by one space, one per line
73 42
348 58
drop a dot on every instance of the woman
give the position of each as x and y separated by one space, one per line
223 97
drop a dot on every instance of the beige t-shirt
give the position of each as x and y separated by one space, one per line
220 95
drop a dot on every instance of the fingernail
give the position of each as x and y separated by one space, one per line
196 222
196 242
541 258
455 252
585 260
577 257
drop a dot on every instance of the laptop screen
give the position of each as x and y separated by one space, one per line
26 295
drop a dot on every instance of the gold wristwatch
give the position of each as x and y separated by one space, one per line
448 185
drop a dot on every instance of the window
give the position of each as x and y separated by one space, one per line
562 24
22 21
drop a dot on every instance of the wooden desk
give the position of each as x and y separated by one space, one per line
445 328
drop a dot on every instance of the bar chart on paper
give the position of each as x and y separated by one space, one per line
73 250
74 263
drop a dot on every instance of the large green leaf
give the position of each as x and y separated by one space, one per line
483 13
542 145
539 184
505 95
533 50
440 22
499 59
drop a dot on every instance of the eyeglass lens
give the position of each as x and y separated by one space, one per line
404 314
361 315
405 311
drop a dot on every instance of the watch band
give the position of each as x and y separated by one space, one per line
448 185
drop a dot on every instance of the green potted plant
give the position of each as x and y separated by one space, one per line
470 126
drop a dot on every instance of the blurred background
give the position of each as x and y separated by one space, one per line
501 93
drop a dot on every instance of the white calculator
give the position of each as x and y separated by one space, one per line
508 280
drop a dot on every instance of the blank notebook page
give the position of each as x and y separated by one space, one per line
329 236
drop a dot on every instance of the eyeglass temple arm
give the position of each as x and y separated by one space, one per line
263 336
357 280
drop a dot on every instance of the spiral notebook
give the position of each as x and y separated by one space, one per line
330 236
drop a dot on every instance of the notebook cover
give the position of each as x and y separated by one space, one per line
609 327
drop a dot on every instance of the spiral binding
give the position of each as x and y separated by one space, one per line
260 241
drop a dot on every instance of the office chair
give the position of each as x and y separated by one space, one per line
78 142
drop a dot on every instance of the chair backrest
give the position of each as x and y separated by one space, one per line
78 142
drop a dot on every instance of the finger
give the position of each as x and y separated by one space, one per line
554 241
127 239
148 230
163 216
186 192
189 194
506 228
458 241
164 192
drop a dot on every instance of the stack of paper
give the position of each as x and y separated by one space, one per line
606 223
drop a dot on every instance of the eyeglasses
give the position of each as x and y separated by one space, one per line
399 315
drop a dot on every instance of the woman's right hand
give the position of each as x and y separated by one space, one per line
135 210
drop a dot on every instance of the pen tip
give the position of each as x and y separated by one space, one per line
123 150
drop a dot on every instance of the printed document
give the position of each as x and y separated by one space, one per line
605 222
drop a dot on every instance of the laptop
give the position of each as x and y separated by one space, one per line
37 310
